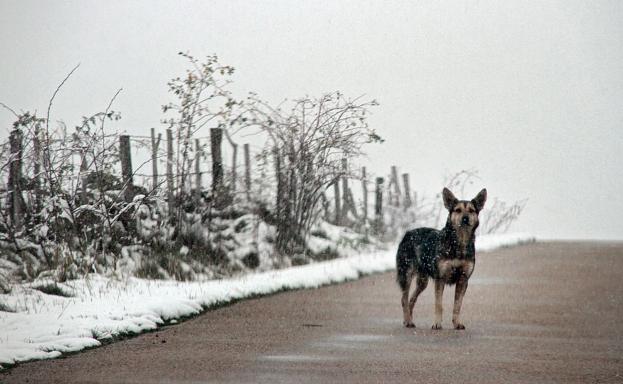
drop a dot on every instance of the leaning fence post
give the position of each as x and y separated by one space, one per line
15 177
125 155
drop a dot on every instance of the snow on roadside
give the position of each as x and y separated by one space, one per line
44 326
485 243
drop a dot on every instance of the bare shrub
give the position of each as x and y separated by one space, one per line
497 217
307 142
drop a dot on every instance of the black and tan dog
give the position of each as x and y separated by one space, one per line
447 256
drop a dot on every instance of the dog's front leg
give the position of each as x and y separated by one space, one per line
459 293
439 285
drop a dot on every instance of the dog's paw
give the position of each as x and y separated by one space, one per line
437 326
408 324
459 326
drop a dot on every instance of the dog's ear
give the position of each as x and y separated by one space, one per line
449 200
479 200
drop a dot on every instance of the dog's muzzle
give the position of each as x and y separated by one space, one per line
465 220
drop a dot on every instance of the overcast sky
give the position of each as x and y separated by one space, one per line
528 93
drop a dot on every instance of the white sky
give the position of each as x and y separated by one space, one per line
528 93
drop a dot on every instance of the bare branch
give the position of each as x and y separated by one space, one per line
47 119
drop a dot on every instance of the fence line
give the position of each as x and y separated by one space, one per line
396 195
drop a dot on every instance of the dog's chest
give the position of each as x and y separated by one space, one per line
451 270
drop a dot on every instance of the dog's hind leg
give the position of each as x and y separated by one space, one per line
405 285
459 293
439 285
420 285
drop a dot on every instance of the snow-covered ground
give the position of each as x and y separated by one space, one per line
44 326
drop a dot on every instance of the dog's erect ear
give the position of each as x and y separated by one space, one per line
479 200
449 201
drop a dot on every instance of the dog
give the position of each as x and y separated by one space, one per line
447 256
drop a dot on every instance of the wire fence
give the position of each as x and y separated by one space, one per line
190 164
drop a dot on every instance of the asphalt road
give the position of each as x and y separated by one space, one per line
541 313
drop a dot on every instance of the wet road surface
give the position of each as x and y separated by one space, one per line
545 312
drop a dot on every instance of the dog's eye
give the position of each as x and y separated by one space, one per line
457 210
471 210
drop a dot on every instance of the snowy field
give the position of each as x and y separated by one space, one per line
96 309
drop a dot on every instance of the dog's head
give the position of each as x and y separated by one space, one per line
463 214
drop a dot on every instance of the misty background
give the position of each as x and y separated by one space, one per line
529 94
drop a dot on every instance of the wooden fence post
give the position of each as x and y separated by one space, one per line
364 185
325 206
279 177
198 184
216 138
345 205
394 180
351 204
83 177
407 199
125 155
170 184
378 205
36 142
234 166
247 171
15 180
338 205
154 157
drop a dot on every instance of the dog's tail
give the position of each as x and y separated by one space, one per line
404 262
